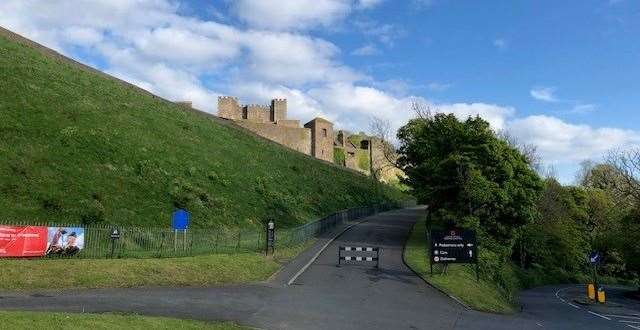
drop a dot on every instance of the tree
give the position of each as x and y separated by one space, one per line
529 151
468 176
625 174
626 185
556 239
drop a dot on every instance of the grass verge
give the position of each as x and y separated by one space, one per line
460 280
39 320
24 275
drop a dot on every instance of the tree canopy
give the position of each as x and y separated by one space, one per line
468 176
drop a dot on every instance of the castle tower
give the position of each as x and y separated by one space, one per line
278 110
321 138
228 108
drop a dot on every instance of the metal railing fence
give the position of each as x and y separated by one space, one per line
150 242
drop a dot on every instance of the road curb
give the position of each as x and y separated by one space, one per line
404 261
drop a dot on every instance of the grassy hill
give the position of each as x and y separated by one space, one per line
77 147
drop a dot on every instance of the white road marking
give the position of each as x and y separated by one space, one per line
574 306
625 321
598 315
623 316
633 326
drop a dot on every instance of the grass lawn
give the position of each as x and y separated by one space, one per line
460 280
25 275
40 320
76 147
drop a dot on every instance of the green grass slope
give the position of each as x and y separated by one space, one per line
76 147
71 321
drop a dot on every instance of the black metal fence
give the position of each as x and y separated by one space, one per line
144 242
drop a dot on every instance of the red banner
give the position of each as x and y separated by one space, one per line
23 241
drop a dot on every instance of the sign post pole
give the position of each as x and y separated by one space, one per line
184 240
271 237
594 259
115 235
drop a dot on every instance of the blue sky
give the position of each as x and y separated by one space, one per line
562 75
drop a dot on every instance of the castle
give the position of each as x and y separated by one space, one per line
315 138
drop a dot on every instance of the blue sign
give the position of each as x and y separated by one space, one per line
594 257
180 220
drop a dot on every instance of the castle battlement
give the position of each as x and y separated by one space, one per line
270 121
229 108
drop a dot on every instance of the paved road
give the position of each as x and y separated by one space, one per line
329 297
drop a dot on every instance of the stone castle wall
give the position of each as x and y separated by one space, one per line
296 138
270 121
257 113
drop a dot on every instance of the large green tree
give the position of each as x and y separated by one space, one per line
468 176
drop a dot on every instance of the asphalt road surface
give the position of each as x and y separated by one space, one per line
325 296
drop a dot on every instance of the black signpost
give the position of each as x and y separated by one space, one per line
115 235
454 246
271 237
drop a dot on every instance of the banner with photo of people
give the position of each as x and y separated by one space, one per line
39 241
66 241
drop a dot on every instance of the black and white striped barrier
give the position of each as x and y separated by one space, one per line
359 254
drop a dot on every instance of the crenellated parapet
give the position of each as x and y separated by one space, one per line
256 113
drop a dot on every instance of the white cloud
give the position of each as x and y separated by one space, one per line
366 50
292 14
178 44
356 104
294 59
544 94
286 15
500 44
562 142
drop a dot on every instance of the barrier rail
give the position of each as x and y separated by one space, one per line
371 254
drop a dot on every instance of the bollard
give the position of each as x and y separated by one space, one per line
591 291
601 295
